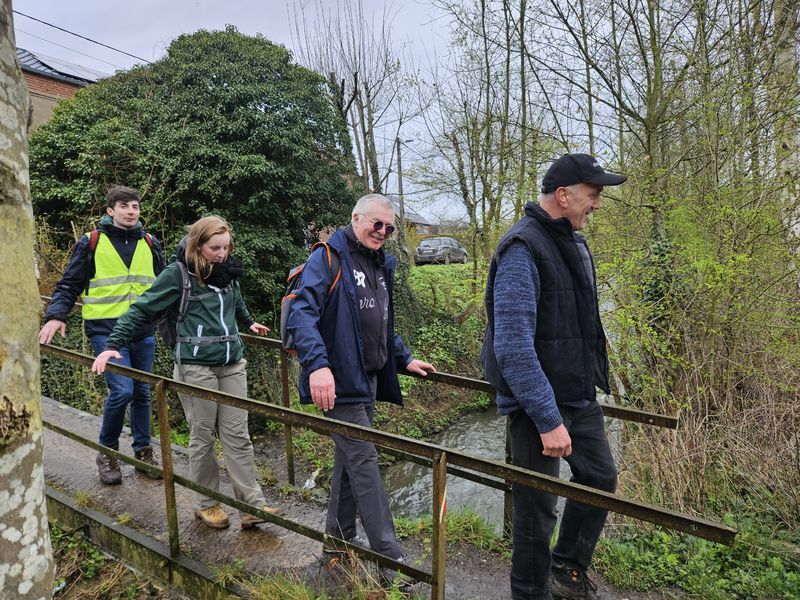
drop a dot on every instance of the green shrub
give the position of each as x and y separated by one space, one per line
758 565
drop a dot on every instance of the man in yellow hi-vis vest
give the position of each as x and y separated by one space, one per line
109 269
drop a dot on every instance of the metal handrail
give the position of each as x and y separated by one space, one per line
439 456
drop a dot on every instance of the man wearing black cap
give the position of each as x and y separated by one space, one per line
545 353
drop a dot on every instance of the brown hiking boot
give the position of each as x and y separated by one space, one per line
248 520
147 455
213 516
108 469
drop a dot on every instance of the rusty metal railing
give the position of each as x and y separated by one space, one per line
442 460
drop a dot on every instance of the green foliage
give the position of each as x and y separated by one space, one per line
228 573
225 123
464 526
448 311
703 322
87 560
316 448
758 565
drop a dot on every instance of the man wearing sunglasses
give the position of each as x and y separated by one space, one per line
350 356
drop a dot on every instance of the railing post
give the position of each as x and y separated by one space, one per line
166 465
439 537
508 498
287 429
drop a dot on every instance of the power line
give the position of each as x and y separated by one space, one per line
82 37
68 48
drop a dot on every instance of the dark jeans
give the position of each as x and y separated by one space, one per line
124 391
534 511
356 484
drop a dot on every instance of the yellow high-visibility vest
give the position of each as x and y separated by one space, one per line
114 286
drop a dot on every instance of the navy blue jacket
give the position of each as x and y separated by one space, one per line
332 338
81 269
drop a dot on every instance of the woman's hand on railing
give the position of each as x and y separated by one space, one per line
99 364
259 329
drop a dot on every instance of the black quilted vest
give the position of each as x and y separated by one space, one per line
570 341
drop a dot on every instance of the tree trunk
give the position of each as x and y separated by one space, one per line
784 98
26 564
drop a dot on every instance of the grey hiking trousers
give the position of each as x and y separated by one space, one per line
356 484
207 418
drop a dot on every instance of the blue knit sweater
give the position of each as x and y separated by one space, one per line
516 295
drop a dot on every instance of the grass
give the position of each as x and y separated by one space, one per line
463 526
355 580
229 573
759 565
82 498
83 571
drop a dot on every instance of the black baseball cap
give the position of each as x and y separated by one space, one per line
577 168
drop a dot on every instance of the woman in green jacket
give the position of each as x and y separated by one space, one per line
209 354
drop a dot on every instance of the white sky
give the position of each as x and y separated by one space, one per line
145 29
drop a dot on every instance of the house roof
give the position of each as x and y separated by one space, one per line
410 215
55 68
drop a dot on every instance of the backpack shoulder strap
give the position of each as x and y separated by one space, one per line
94 237
186 290
334 263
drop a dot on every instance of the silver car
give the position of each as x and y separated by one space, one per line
439 250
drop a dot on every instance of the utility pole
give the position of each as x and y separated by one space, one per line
402 235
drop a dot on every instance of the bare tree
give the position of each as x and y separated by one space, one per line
26 565
365 78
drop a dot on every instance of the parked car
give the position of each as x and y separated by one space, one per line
439 250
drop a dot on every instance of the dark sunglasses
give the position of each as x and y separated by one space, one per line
378 225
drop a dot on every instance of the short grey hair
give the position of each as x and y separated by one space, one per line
550 196
365 201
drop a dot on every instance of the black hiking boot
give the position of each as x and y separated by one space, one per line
330 548
147 455
108 469
391 579
571 584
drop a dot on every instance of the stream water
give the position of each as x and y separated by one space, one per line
481 434
409 485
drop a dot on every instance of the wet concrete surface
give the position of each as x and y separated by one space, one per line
265 549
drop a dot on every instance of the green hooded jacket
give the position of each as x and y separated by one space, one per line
214 314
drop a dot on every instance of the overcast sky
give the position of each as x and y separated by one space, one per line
145 28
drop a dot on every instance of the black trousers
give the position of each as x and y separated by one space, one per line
592 464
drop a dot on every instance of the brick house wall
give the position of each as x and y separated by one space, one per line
45 93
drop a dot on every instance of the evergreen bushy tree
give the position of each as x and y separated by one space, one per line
225 123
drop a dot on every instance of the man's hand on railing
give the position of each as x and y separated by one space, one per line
49 330
99 364
420 367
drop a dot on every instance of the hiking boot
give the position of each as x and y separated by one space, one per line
213 516
248 520
356 540
147 455
108 469
391 579
571 584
